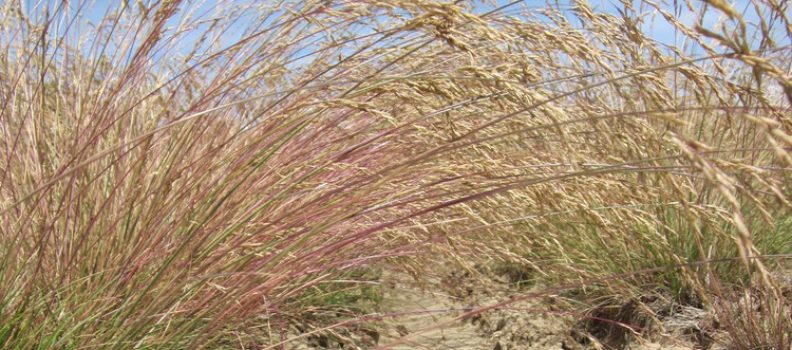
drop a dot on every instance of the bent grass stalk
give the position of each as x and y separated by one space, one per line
163 188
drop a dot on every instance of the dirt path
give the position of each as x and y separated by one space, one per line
525 325
428 320
423 310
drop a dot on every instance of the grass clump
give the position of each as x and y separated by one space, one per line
176 174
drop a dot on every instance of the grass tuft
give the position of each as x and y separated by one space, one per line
190 174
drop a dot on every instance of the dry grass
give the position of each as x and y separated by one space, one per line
180 174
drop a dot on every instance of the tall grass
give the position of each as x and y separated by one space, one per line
177 174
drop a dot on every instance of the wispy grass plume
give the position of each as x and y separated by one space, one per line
177 174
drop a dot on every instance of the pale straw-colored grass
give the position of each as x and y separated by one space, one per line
180 173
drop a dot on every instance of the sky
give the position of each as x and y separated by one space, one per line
656 27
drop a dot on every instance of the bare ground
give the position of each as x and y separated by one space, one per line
443 316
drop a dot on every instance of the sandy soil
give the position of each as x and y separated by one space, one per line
432 319
496 329
429 321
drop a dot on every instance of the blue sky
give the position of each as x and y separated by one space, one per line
656 26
